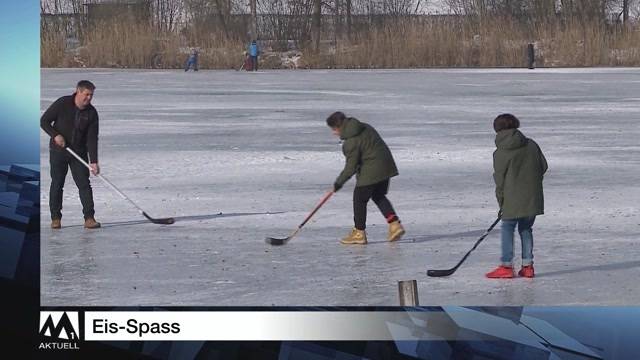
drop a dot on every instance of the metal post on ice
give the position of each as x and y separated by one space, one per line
531 56
408 292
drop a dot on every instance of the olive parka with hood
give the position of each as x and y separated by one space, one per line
366 154
519 167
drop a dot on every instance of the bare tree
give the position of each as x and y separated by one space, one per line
254 19
167 13
625 12
348 14
316 24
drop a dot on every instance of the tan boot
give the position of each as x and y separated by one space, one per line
356 237
91 223
395 231
56 224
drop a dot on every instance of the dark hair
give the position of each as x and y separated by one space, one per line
336 119
505 121
85 84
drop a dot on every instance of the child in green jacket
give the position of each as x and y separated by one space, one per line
519 167
369 158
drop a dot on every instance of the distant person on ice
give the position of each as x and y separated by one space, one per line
253 52
519 167
192 61
247 65
72 121
369 158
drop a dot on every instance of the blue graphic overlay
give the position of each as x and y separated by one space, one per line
20 77
19 158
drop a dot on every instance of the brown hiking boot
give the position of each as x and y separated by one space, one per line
356 237
91 223
56 224
396 230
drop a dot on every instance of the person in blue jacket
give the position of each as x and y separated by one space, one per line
253 52
192 61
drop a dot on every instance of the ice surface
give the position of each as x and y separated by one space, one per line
238 156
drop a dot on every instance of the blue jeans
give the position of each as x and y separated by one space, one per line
191 63
526 236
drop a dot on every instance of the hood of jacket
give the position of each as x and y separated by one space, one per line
351 128
510 139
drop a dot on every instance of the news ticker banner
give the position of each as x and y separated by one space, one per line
70 328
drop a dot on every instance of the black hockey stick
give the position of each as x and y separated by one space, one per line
282 241
447 272
165 221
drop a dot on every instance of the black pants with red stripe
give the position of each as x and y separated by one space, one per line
377 192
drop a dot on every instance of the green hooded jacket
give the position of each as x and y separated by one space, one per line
366 154
519 166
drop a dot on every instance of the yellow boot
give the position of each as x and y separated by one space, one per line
395 231
355 237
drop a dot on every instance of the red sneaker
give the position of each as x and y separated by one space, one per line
526 271
501 272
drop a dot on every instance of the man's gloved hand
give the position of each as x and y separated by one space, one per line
95 168
336 187
500 213
59 140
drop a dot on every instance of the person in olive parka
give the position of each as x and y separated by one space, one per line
519 167
369 158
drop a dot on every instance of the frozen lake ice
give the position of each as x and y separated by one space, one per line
238 156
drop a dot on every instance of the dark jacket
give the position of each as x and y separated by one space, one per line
366 154
519 166
78 127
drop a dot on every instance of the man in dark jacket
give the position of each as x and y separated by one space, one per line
72 122
369 158
519 167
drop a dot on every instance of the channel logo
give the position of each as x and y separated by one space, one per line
60 326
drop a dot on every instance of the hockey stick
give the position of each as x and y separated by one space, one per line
165 221
447 272
282 241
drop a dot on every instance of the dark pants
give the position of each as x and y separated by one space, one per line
377 192
254 63
60 163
